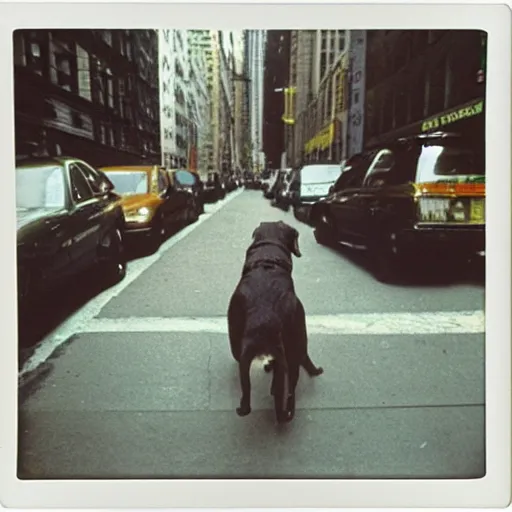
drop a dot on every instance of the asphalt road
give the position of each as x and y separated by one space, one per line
138 382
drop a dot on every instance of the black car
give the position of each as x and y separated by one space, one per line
251 181
418 198
290 188
184 179
214 188
68 220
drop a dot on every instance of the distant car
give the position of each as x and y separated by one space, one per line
214 188
283 196
184 179
419 198
314 182
152 205
231 184
68 220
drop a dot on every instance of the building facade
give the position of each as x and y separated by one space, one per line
276 75
200 81
92 94
255 54
423 80
318 113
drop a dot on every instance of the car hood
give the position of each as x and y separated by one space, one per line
26 216
135 201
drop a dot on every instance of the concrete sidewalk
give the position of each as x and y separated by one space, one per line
163 405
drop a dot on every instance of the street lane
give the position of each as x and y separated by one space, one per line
409 403
199 275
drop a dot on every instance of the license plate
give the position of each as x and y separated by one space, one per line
478 211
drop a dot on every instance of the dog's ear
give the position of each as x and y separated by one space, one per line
256 231
295 244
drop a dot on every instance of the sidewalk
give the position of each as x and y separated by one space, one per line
163 405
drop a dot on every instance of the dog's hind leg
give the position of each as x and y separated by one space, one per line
245 382
293 378
236 324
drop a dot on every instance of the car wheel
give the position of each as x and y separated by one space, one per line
386 257
193 212
157 234
115 264
323 230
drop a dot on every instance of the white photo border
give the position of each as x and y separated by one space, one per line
493 490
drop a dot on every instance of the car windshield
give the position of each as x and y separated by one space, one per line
320 173
184 177
129 182
445 163
40 187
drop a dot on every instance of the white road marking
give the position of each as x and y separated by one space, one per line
439 322
76 322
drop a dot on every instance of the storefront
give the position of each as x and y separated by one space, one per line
467 119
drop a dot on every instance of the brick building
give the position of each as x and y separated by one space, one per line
424 80
92 94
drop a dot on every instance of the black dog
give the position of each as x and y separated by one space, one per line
266 318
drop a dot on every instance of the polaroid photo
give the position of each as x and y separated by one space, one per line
248 256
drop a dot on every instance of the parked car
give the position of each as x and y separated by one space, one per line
251 181
152 206
230 182
68 220
418 198
314 182
284 195
186 180
214 188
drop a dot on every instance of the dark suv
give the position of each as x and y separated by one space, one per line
419 196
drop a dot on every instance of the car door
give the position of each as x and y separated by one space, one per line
86 214
100 186
54 246
346 201
169 206
371 193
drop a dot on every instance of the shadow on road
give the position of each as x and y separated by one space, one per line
423 274
50 310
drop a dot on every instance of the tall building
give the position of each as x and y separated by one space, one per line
255 54
424 80
319 64
276 78
91 94
200 51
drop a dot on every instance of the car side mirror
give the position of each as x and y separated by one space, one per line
331 189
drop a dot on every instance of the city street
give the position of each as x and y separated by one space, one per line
139 381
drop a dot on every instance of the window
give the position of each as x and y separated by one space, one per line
383 163
63 65
84 73
354 171
36 44
93 178
40 187
80 189
323 64
341 40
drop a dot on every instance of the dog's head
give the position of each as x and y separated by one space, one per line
278 232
